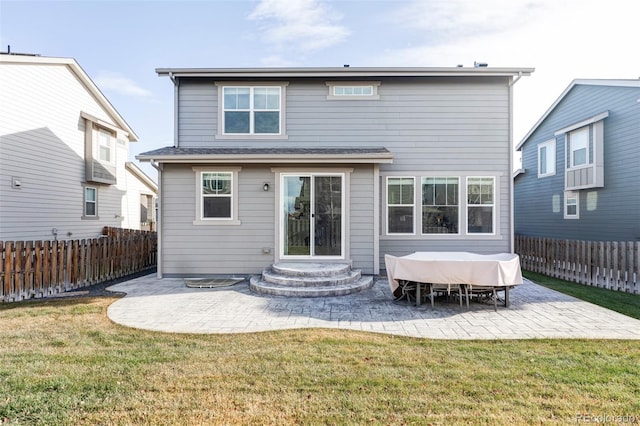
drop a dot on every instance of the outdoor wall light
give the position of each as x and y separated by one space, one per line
265 187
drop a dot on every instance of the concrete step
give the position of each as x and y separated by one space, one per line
343 278
310 279
259 286
310 269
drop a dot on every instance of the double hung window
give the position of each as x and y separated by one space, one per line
90 202
480 205
579 147
400 205
446 203
216 196
249 110
571 205
216 192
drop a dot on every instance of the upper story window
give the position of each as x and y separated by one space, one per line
578 141
251 110
584 153
339 90
547 158
101 140
105 146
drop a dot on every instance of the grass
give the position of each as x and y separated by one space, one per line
625 303
63 362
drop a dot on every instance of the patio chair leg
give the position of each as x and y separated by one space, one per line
495 300
431 294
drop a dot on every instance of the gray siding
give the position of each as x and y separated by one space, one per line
189 249
608 213
432 125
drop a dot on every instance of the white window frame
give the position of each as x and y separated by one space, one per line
221 134
571 147
107 140
481 205
548 158
352 86
388 205
422 205
571 195
85 188
199 196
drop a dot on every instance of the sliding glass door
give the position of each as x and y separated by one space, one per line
312 215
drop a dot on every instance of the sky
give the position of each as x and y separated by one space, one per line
120 43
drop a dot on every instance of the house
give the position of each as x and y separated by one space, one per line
580 176
142 193
331 165
63 154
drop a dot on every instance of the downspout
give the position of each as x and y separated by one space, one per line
158 167
512 223
176 86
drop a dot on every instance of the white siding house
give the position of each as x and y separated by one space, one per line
63 150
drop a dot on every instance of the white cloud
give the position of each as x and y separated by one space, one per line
300 25
563 41
116 82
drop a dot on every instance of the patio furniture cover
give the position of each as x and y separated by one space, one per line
490 270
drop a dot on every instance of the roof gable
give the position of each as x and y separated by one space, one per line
582 82
84 79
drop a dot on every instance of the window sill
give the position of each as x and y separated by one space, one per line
90 217
219 222
251 136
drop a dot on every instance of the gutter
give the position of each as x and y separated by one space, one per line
176 86
512 201
158 167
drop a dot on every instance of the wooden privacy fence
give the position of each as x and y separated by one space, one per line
614 265
40 268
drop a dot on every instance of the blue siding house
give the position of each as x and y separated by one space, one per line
580 175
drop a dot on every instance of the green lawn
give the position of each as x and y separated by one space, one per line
625 303
64 362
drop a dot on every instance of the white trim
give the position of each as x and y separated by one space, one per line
582 123
345 175
387 205
620 83
84 202
85 80
361 97
567 195
251 85
421 205
233 220
550 146
493 205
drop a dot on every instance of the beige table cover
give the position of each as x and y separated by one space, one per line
494 270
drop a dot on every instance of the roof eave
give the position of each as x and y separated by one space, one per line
341 72
383 158
80 73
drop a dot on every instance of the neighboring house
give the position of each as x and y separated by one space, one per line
333 165
140 203
581 165
63 149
